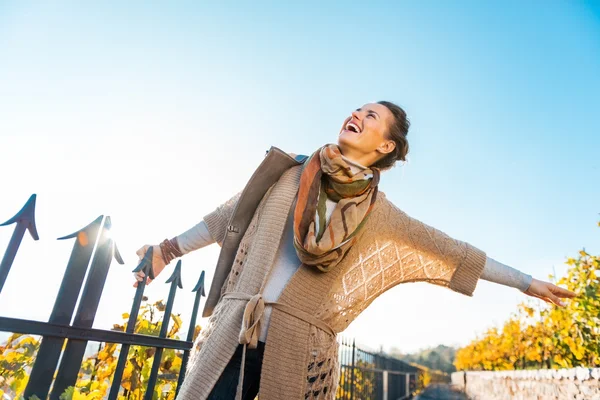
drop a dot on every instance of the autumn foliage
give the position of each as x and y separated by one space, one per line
361 382
551 337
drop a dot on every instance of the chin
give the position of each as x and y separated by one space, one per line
344 140
347 144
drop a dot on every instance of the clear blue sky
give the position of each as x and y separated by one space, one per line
101 104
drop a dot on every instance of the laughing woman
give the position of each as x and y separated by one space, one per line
306 247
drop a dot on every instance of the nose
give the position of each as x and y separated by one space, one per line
356 115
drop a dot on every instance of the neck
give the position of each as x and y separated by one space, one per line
361 160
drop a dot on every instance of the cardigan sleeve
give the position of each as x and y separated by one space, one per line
217 220
428 254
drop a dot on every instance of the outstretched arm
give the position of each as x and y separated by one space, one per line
413 251
210 230
497 272
195 238
426 254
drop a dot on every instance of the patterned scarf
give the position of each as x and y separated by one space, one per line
326 175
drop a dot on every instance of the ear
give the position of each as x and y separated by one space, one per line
386 147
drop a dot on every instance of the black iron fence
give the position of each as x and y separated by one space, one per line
363 375
368 375
93 249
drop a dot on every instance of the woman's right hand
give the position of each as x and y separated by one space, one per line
158 264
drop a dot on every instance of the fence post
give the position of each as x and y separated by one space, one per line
70 362
199 289
175 281
352 371
407 391
385 384
44 366
146 266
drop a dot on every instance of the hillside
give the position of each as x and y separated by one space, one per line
440 358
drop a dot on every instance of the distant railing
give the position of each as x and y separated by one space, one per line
78 330
368 375
363 375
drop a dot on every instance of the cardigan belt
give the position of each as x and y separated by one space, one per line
252 319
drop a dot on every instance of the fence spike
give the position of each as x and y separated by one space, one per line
115 251
176 276
26 216
25 220
117 254
200 285
146 265
84 229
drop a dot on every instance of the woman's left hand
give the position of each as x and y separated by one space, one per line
548 292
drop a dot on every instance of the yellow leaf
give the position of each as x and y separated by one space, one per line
77 395
126 380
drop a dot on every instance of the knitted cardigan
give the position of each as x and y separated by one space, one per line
301 360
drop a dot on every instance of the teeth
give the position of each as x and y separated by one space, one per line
352 125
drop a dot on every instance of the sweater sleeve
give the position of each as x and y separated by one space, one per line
430 255
217 220
497 272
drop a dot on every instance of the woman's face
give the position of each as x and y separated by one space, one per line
363 133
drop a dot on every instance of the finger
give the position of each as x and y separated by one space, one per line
136 284
560 292
556 300
547 293
534 295
142 251
547 300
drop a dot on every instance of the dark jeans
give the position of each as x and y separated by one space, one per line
226 386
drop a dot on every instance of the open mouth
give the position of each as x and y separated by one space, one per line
352 127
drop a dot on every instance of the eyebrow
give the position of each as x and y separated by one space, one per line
371 111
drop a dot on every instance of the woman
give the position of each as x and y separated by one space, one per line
306 247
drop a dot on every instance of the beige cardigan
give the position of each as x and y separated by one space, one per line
300 359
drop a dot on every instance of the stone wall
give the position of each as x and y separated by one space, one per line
544 384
